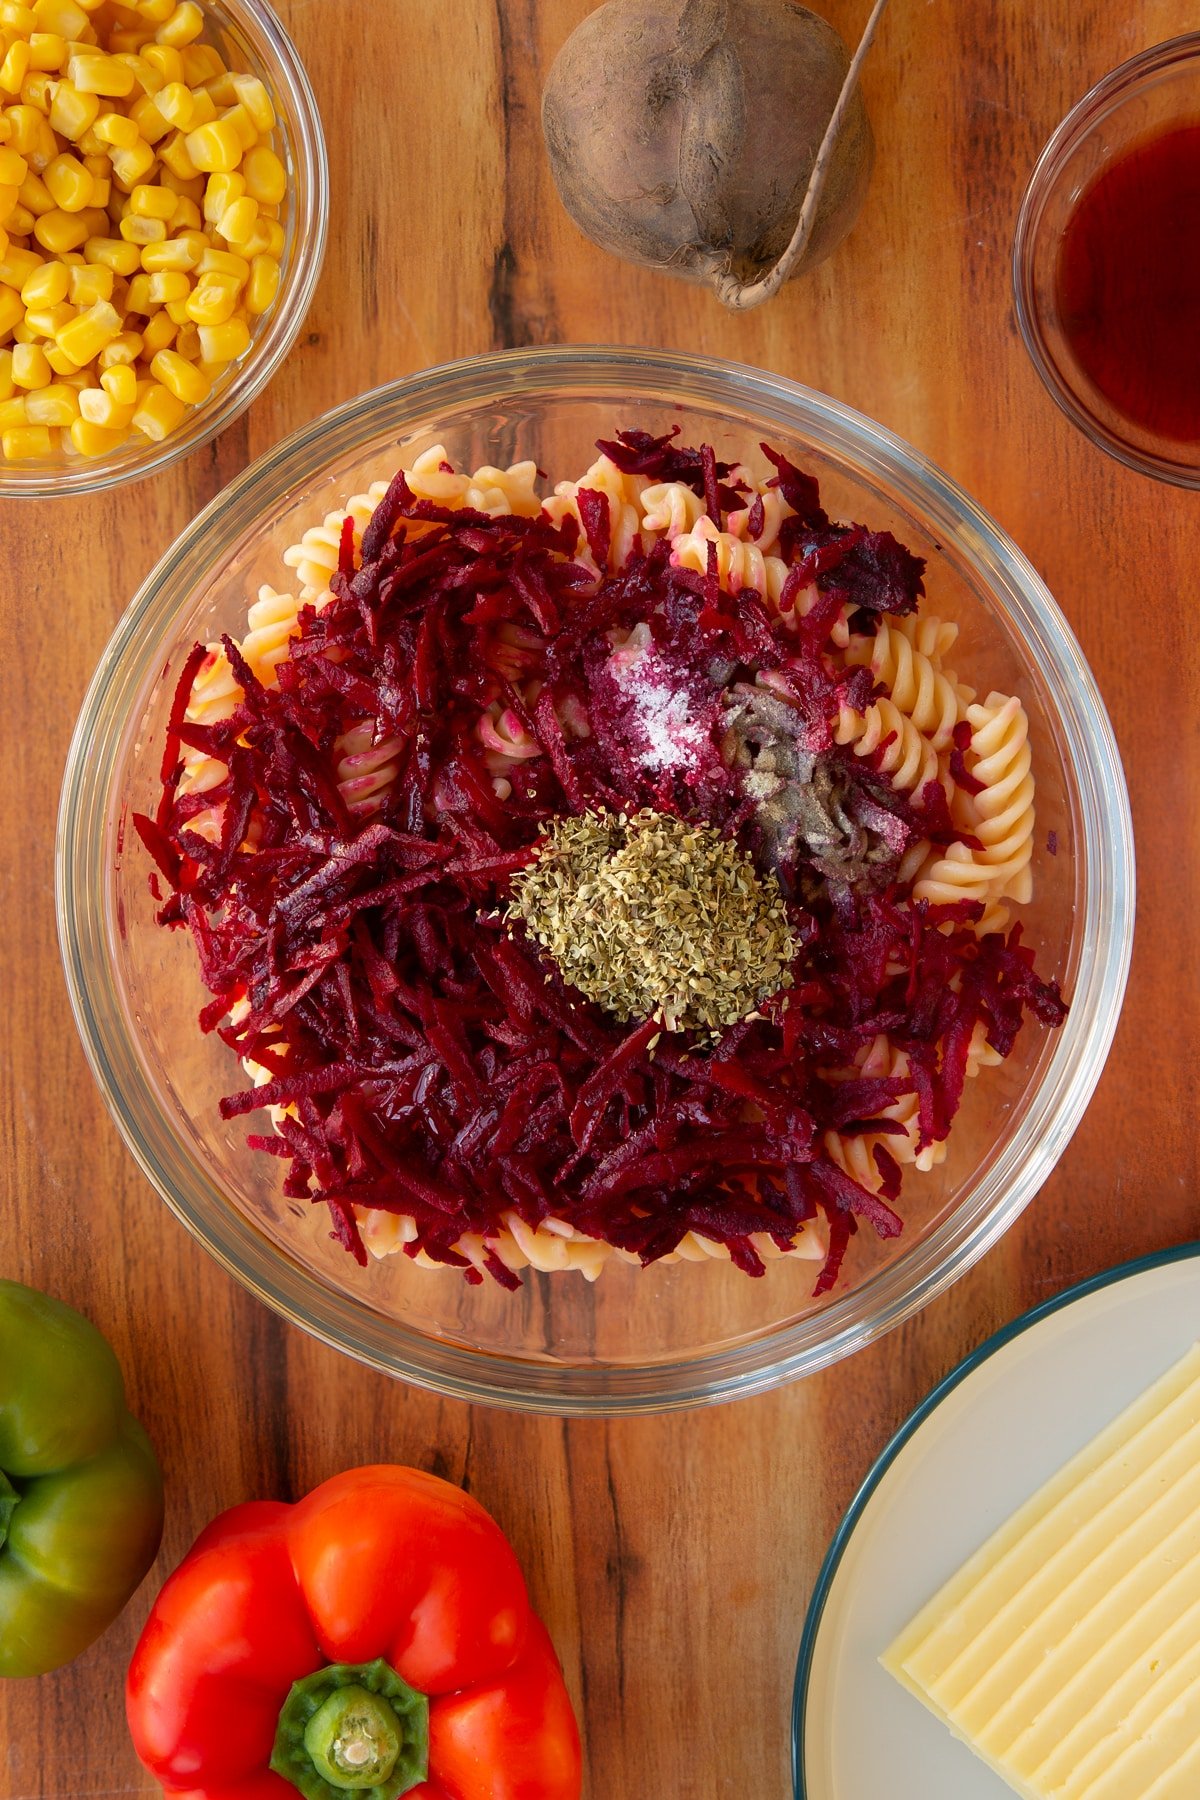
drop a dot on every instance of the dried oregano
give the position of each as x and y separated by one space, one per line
650 916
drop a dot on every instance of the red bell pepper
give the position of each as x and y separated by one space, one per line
373 1640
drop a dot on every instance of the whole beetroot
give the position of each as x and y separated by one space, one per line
684 135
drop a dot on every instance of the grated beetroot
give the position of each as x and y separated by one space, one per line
431 1062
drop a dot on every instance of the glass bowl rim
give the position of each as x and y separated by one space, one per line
1100 99
302 125
902 1287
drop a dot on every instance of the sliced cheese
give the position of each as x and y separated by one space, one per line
1066 1652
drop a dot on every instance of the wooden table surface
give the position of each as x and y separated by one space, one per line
671 1557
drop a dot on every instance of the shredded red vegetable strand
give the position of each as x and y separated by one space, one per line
431 1061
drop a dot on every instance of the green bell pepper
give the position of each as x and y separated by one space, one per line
81 1496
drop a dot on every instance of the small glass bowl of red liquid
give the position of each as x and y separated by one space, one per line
1106 263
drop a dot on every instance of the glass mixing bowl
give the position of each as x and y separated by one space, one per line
251 40
637 1339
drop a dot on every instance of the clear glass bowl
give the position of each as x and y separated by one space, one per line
1144 96
637 1339
251 40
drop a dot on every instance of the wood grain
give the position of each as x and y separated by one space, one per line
671 1557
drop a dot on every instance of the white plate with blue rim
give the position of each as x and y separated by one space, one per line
983 1442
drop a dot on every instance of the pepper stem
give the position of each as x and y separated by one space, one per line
353 1729
354 1738
8 1505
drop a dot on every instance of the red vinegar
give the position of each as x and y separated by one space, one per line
1128 282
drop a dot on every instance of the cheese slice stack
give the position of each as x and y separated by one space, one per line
1066 1652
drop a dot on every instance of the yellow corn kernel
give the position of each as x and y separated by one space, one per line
158 413
127 40
26 443
47 321
12 411
133 164
142 231
224 342
54 405
6 380
21 333
215 148
200 63
119 383
13 168
183 27
145 75
177 310
238 221
266 177
15 66
87 335
89 284
160 331
224 262
101 191
35 195
180 377
117 128
10 198
187 341
38 89
176 254
150 202
239 120
108 75
137 295
149 121
263 284
98 407
256 100
174 154
123 351
94 440
187 215
29 366
17 265
58 231
168 61
96 218
155 11
47 50
61 363
167 285
211 303
24 129
204 108
176 105
113 253
221 88
220 192
69 183
62 16
47 284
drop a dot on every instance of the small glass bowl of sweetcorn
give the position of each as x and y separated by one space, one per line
163 206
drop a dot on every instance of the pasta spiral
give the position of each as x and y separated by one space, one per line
624 496
883 731
739 564
914 682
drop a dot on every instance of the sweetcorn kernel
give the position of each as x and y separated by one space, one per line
25 443
180 377
98 74
13 168
177 105
256 100
93 440
159 332
168 285
11 310
211 303
87 335
174 253
114 253
55 405
69 184
224 342
220 192
117 128
29 366
6 380
122 352
48 321
215 148
58 231
183 27
98 407
12 412
131 164
263 285
15 66
150 202
158 413
47 285
63 16
238 221
265 176
120 383
90 283
47 50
